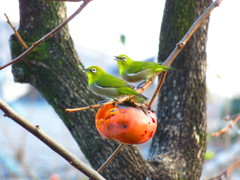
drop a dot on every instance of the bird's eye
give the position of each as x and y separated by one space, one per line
124 58
94 70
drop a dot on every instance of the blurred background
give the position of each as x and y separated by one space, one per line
103 30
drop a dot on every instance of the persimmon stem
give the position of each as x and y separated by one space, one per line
110 158
163 76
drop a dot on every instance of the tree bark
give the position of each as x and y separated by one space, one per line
180 141
52 68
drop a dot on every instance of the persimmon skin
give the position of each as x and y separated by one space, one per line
126 124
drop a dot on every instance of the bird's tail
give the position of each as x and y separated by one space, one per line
161 67
165 68
142 96
139 98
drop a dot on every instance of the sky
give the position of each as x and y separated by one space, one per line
102 22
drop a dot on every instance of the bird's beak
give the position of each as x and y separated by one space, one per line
117 58
85 70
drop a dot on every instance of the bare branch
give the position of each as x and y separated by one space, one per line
119 100
226 129
158 88
225 173
110 158
191 31
16 33
36 131
48 35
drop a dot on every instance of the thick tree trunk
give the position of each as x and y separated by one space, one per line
52 68
180 141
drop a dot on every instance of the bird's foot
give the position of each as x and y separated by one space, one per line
141 84
103 101
106 100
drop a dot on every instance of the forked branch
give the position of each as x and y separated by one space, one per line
48 35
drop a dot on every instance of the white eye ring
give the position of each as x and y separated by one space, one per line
124 58
94 70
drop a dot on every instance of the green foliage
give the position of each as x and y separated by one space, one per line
123 39
209 155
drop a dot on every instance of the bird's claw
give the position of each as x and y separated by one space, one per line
140 85
103 101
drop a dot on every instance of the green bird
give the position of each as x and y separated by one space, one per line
106 85
134 71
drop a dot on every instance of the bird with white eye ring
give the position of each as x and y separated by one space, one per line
106 85
134 71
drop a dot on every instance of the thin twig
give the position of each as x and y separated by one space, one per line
86 108
110 158
36 131
158 88
16 33
119 100
191 31
225 173
48 35
229 118
171 57
226 129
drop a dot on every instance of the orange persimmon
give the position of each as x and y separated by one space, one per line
126 124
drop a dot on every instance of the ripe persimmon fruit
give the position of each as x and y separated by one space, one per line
126 124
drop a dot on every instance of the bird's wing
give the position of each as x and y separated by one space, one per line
138 66
108 80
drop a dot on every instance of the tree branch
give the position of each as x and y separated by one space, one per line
158 88
191 31
48 35
16 33
226 129
36 131
110 158
225 173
